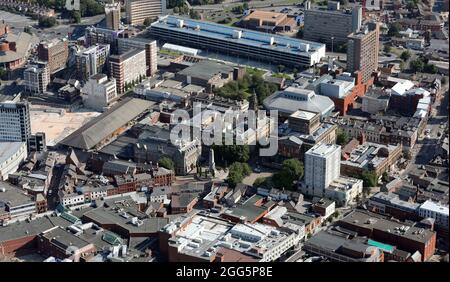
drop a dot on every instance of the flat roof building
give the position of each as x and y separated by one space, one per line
403 236
362 50
251 44
331 26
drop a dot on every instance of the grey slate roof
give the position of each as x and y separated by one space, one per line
97 129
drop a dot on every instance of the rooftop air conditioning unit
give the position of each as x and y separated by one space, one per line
304 47
272 40
237 34
180 23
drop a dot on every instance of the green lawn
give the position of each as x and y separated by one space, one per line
281 75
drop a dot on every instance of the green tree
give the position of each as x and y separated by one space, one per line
76 16
231 153
430 68
47 22
394 30
281 68
387 49
89 8
148 21
369 178
416 65
291 171
175 3
166 162
343 2
301 32
176 10
237 172
260 181
342 137
194 14
405 55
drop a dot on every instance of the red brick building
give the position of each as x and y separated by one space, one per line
360 88
404 237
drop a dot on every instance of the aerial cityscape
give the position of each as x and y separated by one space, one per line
224 131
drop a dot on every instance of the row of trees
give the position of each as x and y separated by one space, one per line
422 65
129 85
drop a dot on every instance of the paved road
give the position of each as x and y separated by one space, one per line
425 148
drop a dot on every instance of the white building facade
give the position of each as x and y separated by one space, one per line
436 211
12 154
99 92
36 78
322 166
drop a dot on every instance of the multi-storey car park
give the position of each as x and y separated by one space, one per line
237 41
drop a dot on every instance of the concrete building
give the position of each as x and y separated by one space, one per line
14 203
138 10
150 47
36 78
14 122
344 190
127 68
96 35
322 166
229 40
99 92
362 50
375 101
331 26
92 60
208 74
12 154
55 52
112 15
343 90
185 240
304 122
